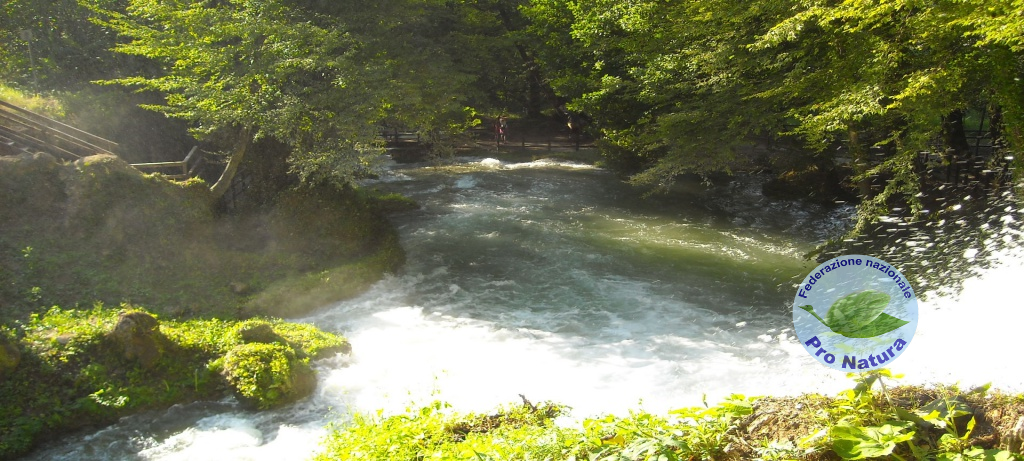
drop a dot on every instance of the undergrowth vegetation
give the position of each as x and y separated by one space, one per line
861 423
98 230
39 104
79 368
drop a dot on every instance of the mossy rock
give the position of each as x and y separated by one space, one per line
325 223
109 198
391 203
267 375
259 331
138 335
306 340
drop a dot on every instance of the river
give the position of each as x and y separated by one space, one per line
557 281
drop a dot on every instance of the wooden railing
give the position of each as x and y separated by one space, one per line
182 169
38 132
28 129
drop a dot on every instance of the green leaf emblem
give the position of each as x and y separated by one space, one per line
859 315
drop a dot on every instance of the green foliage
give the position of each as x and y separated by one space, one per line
859 426
310 341
73 373
319 80
64 48
865 442
265 374
523 432
529 432
701 87
43 105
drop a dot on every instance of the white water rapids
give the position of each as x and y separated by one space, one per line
558 282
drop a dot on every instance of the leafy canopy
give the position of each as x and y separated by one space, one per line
321 83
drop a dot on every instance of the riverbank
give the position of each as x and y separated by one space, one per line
869 421
99 239
98 230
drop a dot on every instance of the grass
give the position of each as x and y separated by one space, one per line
42 105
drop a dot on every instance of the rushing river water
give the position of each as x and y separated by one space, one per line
558 282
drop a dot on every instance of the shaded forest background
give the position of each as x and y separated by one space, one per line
885 90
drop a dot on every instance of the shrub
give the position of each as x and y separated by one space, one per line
267 375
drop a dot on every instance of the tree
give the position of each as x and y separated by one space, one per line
319 82
690 86
895 76
64 45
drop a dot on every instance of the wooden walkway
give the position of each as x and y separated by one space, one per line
27 131
23 131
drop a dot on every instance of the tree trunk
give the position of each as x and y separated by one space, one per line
241 146
954 136
861 164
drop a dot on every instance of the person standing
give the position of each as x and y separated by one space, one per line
503 128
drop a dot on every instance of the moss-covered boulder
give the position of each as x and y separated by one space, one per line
307 341
98 229
259 331
108 197
267 375
327 223
342 243
139 338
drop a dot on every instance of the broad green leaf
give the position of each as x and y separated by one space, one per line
881 325
855 311
852 442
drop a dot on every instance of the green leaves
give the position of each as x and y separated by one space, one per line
320 79
859 315
854 442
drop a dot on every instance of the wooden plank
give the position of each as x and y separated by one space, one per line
107 145
191 153
158 164
68 141
195 168
37 144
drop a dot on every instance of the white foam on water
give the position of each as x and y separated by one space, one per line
403 356
565 321
972 338
551 163
491 163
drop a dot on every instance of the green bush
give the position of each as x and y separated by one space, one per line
267 375
522 432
